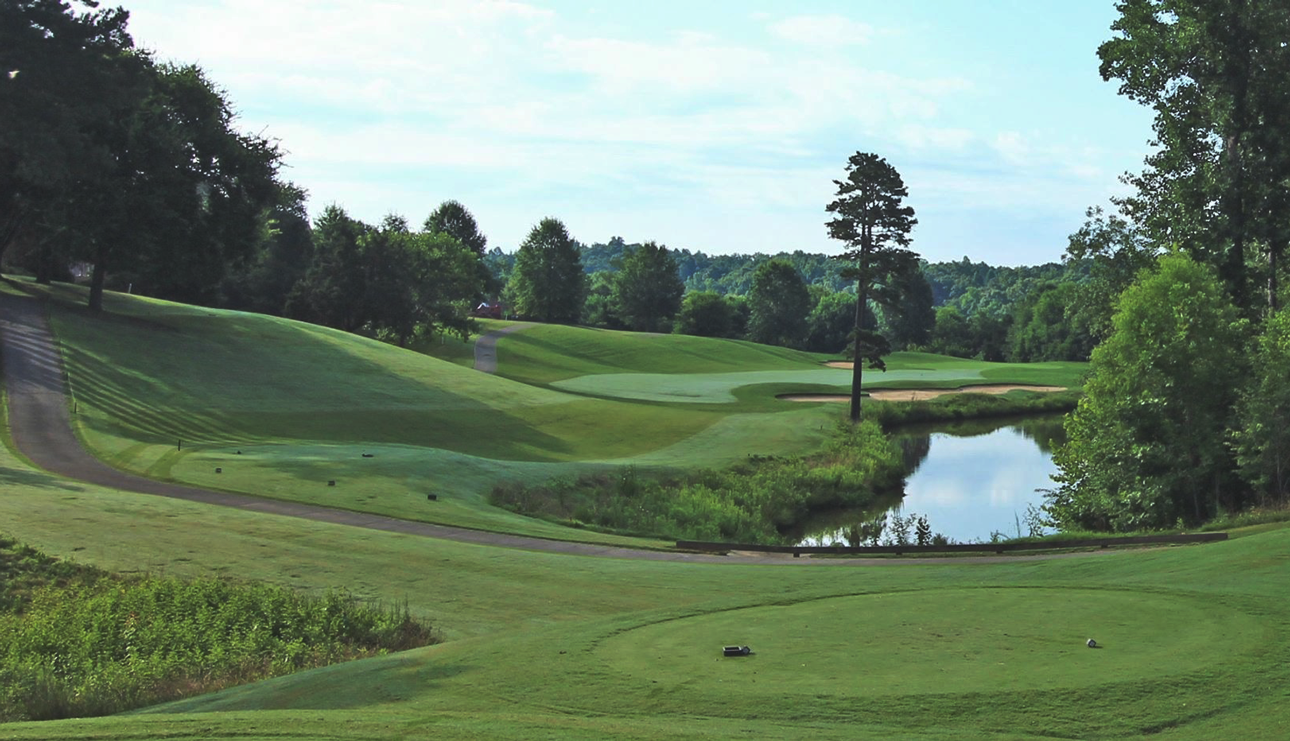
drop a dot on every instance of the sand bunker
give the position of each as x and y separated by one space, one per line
922 394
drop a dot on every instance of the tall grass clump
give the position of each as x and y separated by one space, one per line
757 501
96 646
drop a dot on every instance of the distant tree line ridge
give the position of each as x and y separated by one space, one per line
962 308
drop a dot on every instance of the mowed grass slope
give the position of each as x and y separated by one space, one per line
1196 640
282 407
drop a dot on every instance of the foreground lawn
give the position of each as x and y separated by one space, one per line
1196 640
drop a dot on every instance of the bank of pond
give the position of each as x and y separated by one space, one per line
963 468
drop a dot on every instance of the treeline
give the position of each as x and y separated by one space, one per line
1014 314
1187 412
133 173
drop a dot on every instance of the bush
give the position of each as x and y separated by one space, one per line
756 501
98 644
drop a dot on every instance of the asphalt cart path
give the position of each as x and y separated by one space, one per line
486 346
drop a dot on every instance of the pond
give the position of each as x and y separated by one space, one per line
969 479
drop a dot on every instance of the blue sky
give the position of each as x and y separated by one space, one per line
713 126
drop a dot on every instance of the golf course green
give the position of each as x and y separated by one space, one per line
280 408
1195 641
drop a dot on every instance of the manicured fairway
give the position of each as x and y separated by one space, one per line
1197 639
718 388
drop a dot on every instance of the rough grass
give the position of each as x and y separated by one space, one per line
77 642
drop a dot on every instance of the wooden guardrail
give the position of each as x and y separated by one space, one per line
900 550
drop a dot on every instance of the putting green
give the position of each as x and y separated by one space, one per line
953 641
718 388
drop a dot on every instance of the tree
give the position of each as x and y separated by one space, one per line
648 288
386 282
282 257
1146 446
911 320
548 282
951 334
1215 74
110 158
1262 440
456 221
778 304
332 290
64 76
871 219
599 309
831 324
1117 252
1042 327
706 314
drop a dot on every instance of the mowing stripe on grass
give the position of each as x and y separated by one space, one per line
40 423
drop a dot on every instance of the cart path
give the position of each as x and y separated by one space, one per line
41 425
486 346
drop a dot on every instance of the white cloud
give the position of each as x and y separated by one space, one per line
509 96
1013 147
822 30
921 138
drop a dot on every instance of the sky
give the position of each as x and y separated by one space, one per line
706 125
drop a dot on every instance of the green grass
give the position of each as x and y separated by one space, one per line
904 370
545 354
303 403
546 645
454 349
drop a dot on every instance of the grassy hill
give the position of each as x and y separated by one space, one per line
1194 639
281 407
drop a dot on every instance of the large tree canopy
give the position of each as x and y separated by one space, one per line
110 158
1262 439
63 75
456 221
648 289
778 305
1215 73
1147 444
548 282
870 217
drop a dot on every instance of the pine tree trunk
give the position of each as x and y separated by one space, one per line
857 363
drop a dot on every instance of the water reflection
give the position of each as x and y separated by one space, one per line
969 479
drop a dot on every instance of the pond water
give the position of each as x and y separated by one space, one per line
969 479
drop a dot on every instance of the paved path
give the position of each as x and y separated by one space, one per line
486 346
40 423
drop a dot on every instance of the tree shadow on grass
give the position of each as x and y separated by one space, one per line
34 479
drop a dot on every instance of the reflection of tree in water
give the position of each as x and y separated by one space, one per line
859 527
914 449
1046 432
